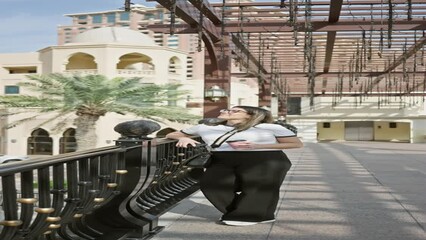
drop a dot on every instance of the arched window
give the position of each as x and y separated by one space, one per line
135 61
80 61
40 143
67 142
174 65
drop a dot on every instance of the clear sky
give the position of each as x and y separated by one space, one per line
30 25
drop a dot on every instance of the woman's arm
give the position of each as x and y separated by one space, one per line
183 139
283 143
286 143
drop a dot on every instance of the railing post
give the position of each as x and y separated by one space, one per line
121 217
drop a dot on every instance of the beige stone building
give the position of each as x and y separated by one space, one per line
138 19
109 51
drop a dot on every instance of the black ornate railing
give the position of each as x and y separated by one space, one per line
107 193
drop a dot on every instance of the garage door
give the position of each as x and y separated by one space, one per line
359 131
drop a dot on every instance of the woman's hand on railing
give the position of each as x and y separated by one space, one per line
185 141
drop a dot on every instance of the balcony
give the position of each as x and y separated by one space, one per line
135 73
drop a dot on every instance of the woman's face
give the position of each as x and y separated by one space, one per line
234 114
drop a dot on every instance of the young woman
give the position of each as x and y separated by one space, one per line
246 173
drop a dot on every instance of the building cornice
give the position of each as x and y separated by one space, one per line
111 45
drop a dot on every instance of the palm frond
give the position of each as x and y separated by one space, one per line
96 94
25 101
165 112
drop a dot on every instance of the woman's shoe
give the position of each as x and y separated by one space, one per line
238 223
242 223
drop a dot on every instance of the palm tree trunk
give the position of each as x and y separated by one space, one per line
85 133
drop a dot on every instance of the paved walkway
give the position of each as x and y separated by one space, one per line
334 191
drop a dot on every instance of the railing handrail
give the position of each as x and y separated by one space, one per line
39 162
21 166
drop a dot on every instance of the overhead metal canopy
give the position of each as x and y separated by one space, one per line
316 47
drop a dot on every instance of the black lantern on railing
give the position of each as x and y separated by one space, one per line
215 93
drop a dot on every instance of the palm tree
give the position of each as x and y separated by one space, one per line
91 97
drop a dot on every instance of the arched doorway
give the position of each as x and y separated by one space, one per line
40 143
67 143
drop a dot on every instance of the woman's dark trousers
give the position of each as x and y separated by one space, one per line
245 185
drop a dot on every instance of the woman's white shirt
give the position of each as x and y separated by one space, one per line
264 133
